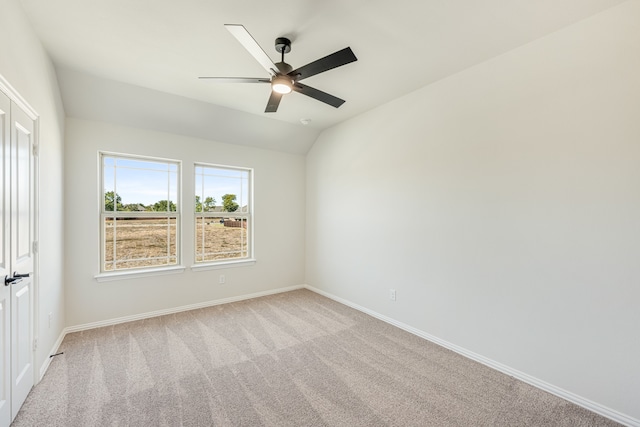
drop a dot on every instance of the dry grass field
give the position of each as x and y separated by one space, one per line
152 241
218 241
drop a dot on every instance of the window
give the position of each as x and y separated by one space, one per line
222 213
140 212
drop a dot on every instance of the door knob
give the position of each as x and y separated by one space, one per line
9 280
16 274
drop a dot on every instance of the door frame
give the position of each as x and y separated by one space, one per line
19 101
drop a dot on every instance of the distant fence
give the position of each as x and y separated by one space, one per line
238 224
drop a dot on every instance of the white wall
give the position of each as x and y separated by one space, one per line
26 66
503 205
279 203
94 98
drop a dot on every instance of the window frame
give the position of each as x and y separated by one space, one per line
249 214
108 275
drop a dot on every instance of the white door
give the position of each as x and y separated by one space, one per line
22 237
5 267
16 297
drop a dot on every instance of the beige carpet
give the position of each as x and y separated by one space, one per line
292 359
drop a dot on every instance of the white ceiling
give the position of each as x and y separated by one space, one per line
401 45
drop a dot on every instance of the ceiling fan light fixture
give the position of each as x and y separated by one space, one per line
282 84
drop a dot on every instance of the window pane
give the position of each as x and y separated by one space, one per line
220 190
109 243
139 185
226 189
218 238
173 191
108 184
139 242
132 186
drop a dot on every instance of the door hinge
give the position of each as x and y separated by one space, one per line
34 149
35 247
35 344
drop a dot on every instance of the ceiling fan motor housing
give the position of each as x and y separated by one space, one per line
284 68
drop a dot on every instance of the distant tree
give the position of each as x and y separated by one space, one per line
228 202
209 204
161 206
134 207
109 198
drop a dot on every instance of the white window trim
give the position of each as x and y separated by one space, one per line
146 272
231 262
161 270
223 264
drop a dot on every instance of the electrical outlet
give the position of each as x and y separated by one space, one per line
221 279
50 319
392 294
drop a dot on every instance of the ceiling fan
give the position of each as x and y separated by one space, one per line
282 77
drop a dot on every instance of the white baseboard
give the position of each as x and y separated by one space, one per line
173 310
550 388
569 396
109 322
54 350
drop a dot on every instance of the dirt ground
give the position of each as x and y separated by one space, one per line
218 241
149 242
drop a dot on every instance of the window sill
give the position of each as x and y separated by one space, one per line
223 264
122 275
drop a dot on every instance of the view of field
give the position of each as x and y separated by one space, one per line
215 241
146 242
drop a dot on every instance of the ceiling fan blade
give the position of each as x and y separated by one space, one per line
236 79
336 59
273 102
318 94
252 46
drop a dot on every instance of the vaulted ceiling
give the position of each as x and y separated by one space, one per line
160 47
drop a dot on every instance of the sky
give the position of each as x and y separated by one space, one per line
146 182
